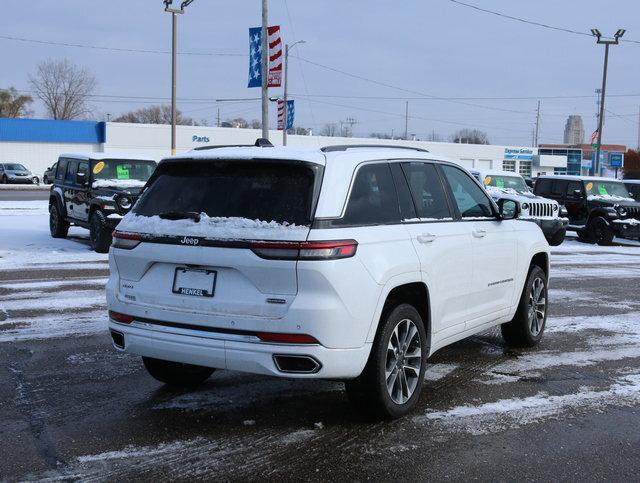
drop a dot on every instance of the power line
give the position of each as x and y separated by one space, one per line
117 49
532 22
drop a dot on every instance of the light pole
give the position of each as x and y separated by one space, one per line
286 83
606 42
174 42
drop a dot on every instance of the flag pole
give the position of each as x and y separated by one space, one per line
265 70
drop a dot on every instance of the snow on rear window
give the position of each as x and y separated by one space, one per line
257 191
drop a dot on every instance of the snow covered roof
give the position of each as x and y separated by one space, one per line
103 156
576 178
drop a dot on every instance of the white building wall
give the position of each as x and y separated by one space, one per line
39 156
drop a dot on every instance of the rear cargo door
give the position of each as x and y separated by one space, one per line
200 225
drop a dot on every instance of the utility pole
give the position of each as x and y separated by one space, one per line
638 128
218 118
265 69
406 121
535 139
174 47
606 42
286 87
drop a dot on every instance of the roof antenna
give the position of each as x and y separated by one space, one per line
263 143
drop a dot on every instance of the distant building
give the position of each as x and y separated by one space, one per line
574 130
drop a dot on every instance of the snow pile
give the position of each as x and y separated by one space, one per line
214 228
495 191
628 221
608 198
118 183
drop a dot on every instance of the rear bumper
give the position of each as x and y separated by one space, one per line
227 351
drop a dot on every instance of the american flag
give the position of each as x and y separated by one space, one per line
594 137
291 114
255 56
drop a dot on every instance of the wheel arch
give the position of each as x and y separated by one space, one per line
56 197
540 259
411 291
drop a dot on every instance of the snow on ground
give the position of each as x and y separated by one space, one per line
25 241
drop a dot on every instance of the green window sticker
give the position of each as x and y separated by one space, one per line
122 172
499 182
602 190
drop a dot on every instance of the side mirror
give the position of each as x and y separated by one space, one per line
81 178
508 209
577 193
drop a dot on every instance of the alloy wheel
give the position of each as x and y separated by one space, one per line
404 360
537 307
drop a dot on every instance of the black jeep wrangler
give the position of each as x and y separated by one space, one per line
599 209
95 191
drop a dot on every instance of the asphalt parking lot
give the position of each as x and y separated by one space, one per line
71 407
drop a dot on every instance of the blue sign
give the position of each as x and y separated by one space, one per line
616 160
523 154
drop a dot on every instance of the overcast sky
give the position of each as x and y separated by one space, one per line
435 48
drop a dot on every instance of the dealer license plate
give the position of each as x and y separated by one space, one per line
195 282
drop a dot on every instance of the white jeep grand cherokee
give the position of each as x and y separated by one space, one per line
350 262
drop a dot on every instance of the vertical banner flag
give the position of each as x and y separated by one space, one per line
275 56
291 114
255 56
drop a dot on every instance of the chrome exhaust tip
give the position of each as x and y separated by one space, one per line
296 364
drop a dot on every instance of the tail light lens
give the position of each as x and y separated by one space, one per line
280 338
311 250
124 240
121 318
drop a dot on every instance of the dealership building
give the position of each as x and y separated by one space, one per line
37 143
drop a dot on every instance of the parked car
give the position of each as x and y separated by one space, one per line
346 263
49 174
95 191
633 186
599 209
547 214
16 173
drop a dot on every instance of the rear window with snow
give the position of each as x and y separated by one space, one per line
262 190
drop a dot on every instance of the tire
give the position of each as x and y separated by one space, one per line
99 233
4 179
45 180
58 226
527 327
176 373
369 391
583 235
557 238
600 232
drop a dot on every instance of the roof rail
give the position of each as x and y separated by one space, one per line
260 143
345 147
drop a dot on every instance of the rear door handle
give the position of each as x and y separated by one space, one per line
426 238
479 233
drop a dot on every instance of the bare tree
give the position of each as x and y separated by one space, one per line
329 130
380 135
13 104
256 124
64 88
435 137
155 115
470 136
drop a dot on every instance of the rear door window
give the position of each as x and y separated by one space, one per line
83 168
428 193
572 187
255 190
61 169
543 187
70 177
373 199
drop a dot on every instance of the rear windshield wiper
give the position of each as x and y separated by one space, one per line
180 215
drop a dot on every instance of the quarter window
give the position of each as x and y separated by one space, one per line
469 197
373 198
427 190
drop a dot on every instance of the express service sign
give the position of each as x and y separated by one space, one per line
522 154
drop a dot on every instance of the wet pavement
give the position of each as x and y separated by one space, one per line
71 407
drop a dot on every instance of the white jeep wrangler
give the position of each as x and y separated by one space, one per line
348 262
547 214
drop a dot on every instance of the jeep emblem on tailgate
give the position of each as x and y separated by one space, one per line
189 241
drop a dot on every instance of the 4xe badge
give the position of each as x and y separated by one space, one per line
189 241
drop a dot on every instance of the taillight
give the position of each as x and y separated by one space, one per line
121 318
310 250
280 338
125 240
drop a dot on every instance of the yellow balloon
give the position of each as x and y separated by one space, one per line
98 167
487 180
589 186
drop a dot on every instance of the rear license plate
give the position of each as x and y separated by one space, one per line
195 282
